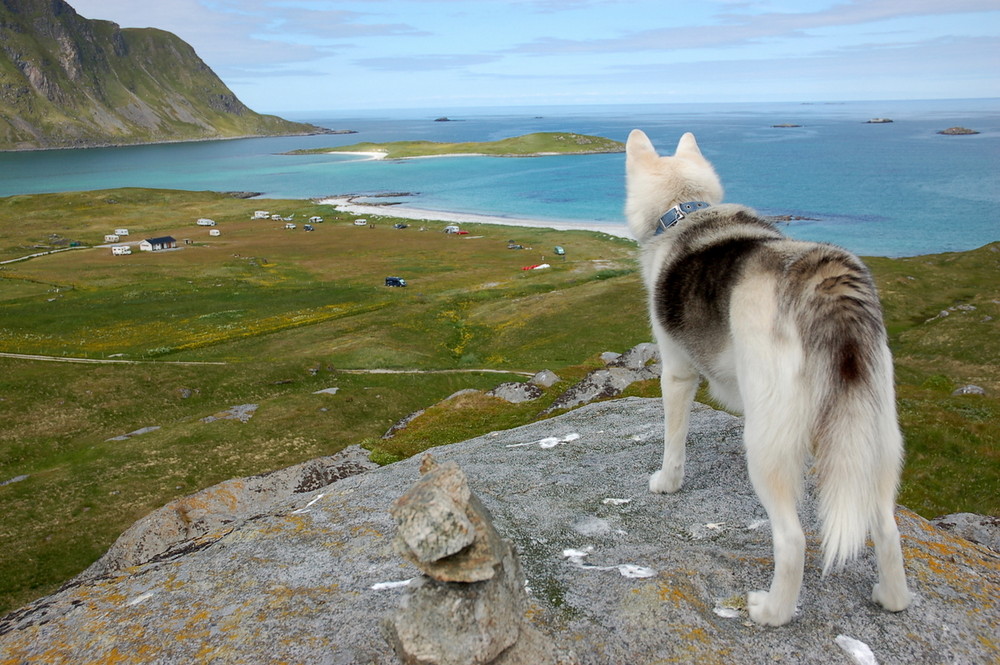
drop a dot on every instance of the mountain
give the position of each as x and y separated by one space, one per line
67 81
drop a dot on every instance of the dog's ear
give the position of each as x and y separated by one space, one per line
688 147
638 146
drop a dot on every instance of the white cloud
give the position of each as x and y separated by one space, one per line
501 51
888 73
731 29
425 62
254 33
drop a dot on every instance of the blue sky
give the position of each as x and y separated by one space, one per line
304 55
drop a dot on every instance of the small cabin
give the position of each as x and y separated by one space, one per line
121 232
120 250
215 232
111 237
204 221
261 214
156 244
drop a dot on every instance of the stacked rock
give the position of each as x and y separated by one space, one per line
468 606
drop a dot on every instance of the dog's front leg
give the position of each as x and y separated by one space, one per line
678 385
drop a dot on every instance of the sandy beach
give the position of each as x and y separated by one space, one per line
347 204
367 155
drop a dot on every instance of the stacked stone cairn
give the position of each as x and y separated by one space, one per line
468 606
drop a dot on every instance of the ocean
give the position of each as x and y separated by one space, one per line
890 189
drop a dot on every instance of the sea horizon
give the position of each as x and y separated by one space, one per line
877 189
966 104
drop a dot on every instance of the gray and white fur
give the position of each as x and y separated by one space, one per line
789 333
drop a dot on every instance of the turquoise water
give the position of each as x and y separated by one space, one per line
894 189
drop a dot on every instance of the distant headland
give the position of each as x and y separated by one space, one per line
73 82
528 145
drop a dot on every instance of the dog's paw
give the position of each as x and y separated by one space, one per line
894 600
666 481
762 611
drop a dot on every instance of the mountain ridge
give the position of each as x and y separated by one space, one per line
69 82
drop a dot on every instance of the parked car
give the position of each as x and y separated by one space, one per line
400 226
307 227
395 281
361 222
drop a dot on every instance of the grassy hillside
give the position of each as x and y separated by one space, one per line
279 314
66 81
541 143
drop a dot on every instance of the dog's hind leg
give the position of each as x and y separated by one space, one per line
678 383
890 590
775 458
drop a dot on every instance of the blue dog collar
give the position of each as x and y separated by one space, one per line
677 213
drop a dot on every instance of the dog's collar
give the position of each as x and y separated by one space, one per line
677 213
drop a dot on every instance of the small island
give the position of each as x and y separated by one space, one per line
529 145
879 121
958 131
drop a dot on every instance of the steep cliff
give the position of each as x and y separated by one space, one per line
68 81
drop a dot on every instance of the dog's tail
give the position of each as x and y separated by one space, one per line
857 446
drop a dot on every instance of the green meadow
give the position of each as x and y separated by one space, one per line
541 143
266 315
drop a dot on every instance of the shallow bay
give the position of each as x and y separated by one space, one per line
892 189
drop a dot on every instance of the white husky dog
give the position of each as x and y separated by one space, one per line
789 333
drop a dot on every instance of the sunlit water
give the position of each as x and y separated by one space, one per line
893 189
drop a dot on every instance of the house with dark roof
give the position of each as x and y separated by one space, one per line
156 244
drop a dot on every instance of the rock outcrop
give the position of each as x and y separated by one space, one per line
516 392
615 574
981 529
205 516
640 363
